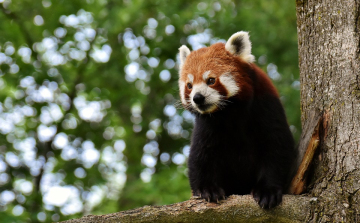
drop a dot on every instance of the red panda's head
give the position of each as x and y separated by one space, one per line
210 76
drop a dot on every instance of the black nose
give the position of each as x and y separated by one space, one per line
199 99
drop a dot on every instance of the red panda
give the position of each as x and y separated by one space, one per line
241 142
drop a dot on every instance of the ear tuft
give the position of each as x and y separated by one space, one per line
240 45
184 52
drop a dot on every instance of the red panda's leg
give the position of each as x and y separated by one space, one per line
275 151
267 195
275 160
204 181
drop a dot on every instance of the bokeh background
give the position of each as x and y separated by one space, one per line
87 92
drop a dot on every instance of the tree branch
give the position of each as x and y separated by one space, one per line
298 184
234 209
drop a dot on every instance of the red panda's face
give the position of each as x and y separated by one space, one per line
212 75
207 90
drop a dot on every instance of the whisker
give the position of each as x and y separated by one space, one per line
178 104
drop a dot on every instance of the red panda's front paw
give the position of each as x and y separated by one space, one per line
267 197
211 194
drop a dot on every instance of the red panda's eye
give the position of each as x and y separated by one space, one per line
210 81
189 85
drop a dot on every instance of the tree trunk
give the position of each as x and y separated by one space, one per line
329 59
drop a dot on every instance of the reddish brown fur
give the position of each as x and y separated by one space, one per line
219 61
264 83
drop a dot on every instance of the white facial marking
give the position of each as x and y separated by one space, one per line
229 83
182 91
239 44
191 78
212 97
206 75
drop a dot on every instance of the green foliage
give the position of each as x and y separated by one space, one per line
169 179
87 93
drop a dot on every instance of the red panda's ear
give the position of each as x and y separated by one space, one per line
184 52
240 45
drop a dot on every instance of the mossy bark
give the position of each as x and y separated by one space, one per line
234 209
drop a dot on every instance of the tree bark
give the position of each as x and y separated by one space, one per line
234 209
329 60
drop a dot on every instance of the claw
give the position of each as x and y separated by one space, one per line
267 197
212 194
